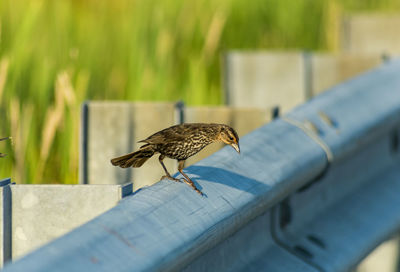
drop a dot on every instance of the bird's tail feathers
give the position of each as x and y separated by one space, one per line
134 159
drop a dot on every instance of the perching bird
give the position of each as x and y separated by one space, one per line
179 142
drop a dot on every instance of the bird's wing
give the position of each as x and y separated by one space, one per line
175 133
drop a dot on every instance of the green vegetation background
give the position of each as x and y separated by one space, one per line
56 54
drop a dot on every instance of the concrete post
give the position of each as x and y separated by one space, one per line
371 34
265 79
327 70
41 213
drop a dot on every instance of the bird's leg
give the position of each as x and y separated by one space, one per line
186 178
168 176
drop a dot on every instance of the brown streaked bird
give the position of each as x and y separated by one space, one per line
179 142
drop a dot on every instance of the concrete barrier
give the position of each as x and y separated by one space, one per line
328 70
371 34
33 215
383 258
314 191
41 213
265 79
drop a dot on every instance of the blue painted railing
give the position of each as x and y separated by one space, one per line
316 190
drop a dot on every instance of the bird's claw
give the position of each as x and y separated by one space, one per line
191 184
200 192
196 189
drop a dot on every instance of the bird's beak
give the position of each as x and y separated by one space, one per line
236 147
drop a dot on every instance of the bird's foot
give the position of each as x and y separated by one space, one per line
196 189
171 178
191 184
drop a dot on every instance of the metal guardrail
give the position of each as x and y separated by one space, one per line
314 191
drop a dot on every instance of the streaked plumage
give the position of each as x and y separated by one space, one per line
179 142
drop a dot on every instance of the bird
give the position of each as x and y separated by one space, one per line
179 142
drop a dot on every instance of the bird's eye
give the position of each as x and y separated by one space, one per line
231 138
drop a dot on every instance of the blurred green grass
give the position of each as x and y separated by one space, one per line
56 54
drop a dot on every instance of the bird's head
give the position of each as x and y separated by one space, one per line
229 136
